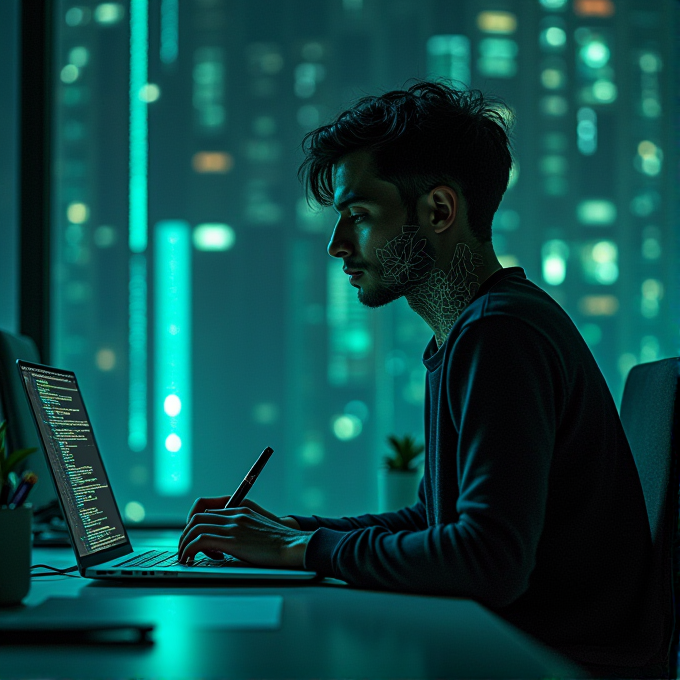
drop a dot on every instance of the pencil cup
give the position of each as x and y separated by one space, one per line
15 554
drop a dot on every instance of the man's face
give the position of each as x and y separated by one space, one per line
372 235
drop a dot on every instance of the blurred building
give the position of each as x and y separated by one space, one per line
192 291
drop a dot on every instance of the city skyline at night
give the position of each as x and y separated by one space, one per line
193 293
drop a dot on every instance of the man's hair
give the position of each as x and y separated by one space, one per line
428 135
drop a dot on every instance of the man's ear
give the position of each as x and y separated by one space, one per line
443 207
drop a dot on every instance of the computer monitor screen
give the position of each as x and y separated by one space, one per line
80 479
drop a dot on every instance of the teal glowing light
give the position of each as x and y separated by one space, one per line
497 57
346 427
172 405
592 334
586 131
358 340
600 262
449 56
109 13
139 68
595 54
134 511
169 30
554 37
172 365
137 305
554 256
349 329
214 236
498 48
650 348
596 212
137 348
604 91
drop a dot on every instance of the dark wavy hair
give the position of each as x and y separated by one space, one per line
419 138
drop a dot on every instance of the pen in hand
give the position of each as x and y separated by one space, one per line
244 487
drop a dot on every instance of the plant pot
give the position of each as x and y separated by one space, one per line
15 554
397 489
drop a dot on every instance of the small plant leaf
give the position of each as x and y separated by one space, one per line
390 463
405 451
9 463
394 443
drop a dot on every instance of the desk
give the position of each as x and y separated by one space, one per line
327 630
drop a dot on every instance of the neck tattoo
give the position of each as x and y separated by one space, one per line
439 297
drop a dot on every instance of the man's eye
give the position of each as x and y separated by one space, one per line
358 217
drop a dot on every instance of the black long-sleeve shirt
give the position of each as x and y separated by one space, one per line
531 503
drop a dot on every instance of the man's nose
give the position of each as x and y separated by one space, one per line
340 244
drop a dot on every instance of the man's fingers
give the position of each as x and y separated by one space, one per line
211 523
217 516
196 532
202 543
203 504
210 518
219 502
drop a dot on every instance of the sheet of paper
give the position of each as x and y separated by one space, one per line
216 612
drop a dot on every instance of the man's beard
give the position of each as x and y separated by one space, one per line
379 295
404 263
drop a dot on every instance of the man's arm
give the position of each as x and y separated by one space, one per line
411 518
254 534
501 387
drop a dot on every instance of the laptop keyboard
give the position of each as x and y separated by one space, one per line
166 558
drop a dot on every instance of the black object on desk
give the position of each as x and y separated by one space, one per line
82 633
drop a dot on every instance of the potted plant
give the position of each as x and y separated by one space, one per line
15 531
398 481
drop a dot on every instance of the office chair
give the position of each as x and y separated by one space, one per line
650 413
21 430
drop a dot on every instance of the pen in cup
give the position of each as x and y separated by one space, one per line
25 485
8 487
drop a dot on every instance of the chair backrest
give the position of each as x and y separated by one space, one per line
21 430
650 413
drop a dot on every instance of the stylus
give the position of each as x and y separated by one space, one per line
245 486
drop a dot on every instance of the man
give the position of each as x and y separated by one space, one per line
530 503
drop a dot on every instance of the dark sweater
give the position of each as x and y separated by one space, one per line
531 503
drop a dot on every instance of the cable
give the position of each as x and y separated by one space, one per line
54 571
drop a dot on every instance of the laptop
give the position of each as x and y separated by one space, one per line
100 541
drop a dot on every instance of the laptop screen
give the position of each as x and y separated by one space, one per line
90 508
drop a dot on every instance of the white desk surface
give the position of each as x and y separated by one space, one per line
299 630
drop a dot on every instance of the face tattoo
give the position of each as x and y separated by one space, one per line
439 297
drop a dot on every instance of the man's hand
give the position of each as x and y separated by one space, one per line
218 503
249 533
